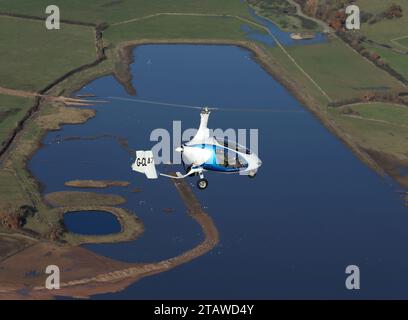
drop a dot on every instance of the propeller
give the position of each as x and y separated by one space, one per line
185 106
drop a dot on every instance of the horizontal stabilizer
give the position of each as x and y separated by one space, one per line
144 163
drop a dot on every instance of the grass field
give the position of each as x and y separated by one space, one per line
379 126
386 30
293 72
402 41
396 60
32 56
12 109
177 27
112 11
339 70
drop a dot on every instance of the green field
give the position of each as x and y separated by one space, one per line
379 126
177 27
386 30
396 60
339 70
12 109
403 42
112 11
32 56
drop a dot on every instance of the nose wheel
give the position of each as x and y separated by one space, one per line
202 184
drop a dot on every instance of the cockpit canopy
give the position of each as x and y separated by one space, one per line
232 145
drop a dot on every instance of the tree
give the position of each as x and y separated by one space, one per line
394 11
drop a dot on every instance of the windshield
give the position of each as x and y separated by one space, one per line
232 145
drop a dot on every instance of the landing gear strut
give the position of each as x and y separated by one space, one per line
188 169
202 183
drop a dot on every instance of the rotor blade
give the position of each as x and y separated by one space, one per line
184 106
257 110
157 103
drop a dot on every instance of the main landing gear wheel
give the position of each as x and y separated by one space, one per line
252 175
202 184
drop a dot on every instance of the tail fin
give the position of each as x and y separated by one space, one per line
144 163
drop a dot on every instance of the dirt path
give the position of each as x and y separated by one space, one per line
65 100
375 120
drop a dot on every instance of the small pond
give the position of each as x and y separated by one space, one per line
91 222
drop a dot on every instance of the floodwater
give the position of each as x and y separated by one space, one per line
282 36
91 222
312 210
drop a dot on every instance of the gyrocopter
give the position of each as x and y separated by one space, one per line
204 152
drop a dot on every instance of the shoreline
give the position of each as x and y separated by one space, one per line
131 227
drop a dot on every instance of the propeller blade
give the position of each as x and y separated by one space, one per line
185 106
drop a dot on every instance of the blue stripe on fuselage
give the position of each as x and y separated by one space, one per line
211 163
219 168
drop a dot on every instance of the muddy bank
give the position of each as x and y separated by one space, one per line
83 273
131 226
393 166
78 198
123 142
96 183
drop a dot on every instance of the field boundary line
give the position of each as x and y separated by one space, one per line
375 120
395 41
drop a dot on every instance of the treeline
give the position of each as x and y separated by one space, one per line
15 218
374 96
356 41
324 10
332 11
